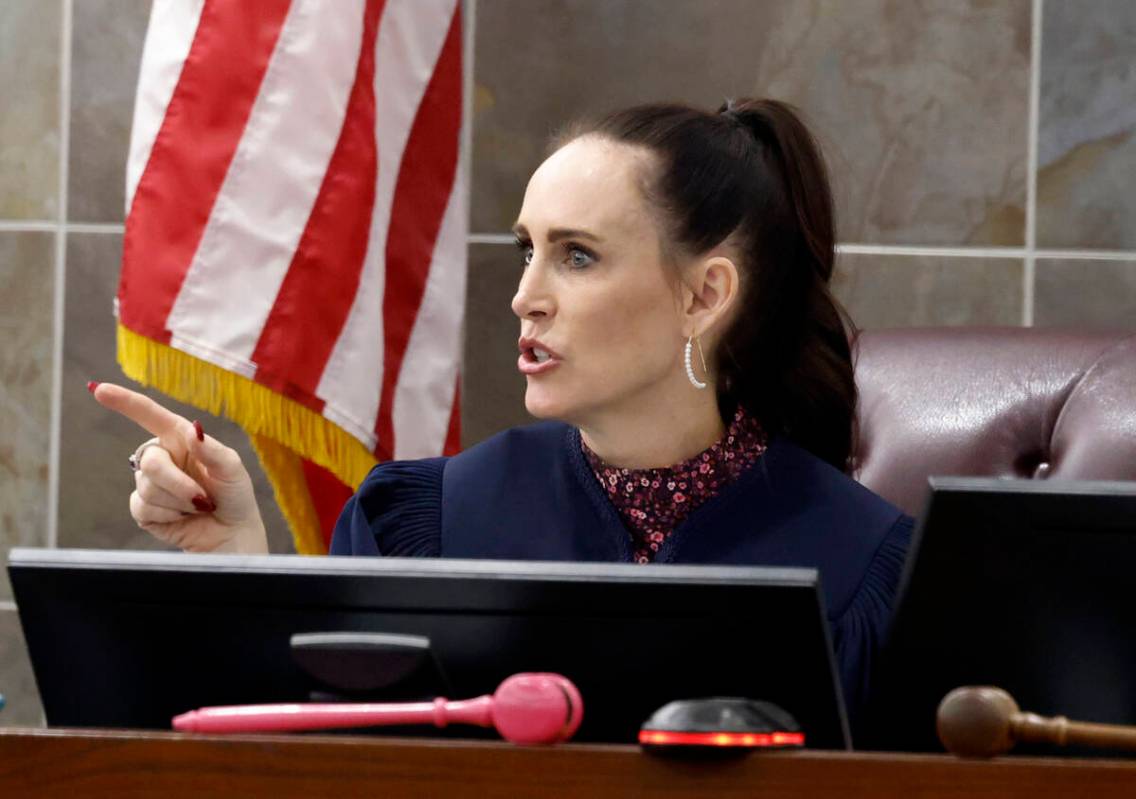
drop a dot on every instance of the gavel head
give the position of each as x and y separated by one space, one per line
976 721
537 708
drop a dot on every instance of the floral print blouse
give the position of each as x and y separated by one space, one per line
653 502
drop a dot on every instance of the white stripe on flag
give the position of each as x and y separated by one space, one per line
169 36
272 183
424 393
410 40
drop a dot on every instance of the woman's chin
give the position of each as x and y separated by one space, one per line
543 404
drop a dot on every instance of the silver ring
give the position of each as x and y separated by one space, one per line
135 460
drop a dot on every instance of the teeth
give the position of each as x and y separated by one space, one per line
540 355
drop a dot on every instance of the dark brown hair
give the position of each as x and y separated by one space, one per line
752 173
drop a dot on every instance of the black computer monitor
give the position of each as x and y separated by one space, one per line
1026 585
128 639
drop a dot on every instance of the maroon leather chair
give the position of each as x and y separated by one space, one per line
1004 402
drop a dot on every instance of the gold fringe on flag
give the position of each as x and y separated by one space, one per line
285 471
282 430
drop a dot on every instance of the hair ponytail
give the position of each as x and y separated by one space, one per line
754 174
806 336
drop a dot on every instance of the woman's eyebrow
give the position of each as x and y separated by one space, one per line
559 233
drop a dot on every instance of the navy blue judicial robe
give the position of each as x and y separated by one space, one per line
529 494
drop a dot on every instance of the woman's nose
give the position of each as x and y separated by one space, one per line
532 300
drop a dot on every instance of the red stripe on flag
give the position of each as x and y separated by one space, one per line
319 288
425 180
191 154
328 495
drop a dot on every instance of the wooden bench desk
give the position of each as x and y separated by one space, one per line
101 763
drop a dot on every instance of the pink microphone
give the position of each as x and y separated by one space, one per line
525 709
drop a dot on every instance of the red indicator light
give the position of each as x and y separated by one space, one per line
745 739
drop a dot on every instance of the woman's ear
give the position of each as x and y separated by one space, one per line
711 289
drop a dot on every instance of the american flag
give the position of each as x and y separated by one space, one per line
294 253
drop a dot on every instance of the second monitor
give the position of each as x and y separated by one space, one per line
1022 584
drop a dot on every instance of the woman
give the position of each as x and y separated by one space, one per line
676 324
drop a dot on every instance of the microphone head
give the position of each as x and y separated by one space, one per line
975 721
537 708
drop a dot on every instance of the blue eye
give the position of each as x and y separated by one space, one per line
579 258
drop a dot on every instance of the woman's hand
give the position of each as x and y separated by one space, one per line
190 490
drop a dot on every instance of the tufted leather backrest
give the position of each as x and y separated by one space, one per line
1004 402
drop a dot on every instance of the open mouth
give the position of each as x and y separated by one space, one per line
535 358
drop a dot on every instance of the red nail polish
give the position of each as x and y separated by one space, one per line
92 385
204 504
200 431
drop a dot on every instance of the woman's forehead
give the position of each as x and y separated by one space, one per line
589 184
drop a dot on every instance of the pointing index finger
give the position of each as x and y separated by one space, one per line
140 409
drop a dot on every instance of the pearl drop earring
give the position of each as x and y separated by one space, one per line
689 368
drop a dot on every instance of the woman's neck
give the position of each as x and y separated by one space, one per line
655 435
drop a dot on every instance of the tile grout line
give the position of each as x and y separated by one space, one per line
850 248
490 238
1084 255
470 22
37 225
28 226
469 38
33 226
1029 270
96 227
54 458
916 250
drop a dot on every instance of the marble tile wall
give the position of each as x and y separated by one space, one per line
923 110
29 80
492 388
105 52
27 284
1086 292
927 291
26 340
1087 131
17 682
926 147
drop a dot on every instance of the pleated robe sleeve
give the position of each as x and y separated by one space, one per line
396 511
859 632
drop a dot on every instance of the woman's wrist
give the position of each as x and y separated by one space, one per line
250 540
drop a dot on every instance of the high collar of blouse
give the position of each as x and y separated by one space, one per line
653 502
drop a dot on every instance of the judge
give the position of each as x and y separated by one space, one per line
693 372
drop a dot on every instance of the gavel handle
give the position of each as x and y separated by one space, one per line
1058 730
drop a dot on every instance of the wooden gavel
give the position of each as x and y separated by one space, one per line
986 721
